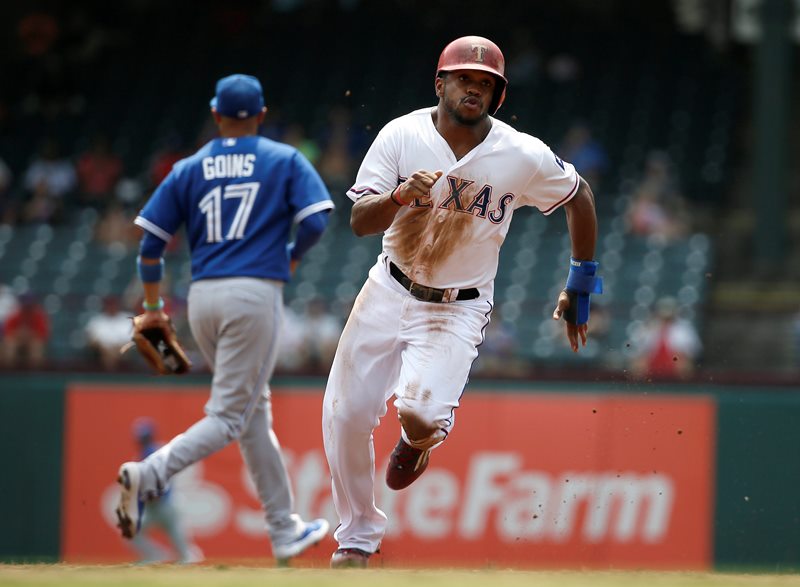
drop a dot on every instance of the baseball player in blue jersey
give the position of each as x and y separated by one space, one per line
238 198
162 513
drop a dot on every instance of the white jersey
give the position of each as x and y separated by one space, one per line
453 241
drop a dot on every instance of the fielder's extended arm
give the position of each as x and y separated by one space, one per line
153 332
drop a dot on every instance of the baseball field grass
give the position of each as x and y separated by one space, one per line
233 576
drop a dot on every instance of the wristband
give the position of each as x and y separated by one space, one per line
581 282
582 278
392 198
150 273
159 305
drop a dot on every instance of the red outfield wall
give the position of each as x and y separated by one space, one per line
524 480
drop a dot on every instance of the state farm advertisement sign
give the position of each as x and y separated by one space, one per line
524 480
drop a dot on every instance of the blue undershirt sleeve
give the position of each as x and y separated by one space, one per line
309 231
151 247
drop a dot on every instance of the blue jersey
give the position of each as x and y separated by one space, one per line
238 198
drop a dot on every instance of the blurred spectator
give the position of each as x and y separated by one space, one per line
603 353
99 170
37 32
336 168
167 154
8 210
44 68
498 357
129 192
116 227
524 60
796 340
87 36
292 354
8 303
320 331
274 126
49 180
343 132
587 155
296 137
563 68
26 332
657 207
108 331
208 132
599 324
308 340
160 513
667 346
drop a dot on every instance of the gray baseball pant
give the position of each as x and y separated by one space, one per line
235 322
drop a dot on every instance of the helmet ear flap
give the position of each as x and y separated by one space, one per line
499 96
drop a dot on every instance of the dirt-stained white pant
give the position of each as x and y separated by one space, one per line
393 344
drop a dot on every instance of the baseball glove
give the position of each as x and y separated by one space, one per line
160 347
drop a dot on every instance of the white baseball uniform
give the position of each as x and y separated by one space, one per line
420 351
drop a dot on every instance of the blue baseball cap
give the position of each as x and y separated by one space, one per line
143 427
238 96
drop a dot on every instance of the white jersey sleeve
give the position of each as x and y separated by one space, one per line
379 172
554 184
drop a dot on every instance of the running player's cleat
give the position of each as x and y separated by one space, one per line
130 507
350 558
406 464
312 533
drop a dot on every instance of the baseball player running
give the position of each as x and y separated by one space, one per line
238 197
162 513
442 185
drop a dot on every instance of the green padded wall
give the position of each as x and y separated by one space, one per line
30 483
758 480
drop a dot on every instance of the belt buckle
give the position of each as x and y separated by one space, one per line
423 293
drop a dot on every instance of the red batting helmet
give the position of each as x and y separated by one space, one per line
477 53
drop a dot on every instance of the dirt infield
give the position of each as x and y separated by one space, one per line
235 576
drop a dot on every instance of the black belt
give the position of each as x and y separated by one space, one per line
429 294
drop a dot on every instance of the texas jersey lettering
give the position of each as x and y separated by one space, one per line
477 195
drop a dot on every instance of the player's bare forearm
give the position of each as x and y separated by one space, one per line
373 214
582 223
152 292
152 296
152 289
